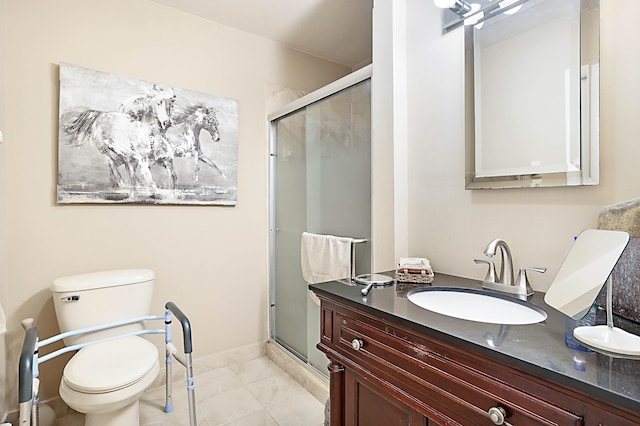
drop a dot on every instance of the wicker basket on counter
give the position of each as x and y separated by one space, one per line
406 277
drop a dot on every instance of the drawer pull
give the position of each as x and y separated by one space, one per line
497 415
357 344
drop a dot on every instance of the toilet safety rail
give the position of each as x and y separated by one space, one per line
28 382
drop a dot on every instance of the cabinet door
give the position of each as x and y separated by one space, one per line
367 405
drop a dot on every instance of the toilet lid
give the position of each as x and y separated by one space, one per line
111 365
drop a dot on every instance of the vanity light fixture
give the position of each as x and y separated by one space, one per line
506 3
474 12
444 4
460 7
469 12
474 17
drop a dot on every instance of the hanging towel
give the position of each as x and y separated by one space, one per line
325 257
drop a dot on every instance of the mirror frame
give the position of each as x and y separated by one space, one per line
589 173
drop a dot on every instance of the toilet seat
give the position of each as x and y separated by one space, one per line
111 365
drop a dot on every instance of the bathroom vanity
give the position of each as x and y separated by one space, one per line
394 363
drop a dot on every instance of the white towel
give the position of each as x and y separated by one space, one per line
325 257
414 263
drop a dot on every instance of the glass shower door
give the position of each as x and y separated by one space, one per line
321 184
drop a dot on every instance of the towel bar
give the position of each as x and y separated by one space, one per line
353 254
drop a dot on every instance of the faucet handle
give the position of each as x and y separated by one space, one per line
491 272
523 280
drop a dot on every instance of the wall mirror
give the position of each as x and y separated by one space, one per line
532 94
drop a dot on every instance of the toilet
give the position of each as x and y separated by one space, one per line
105 380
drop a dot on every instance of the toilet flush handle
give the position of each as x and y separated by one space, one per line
70 299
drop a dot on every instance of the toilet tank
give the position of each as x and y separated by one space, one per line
100 298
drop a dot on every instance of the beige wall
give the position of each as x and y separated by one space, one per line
3 222
452 226
3 180
211 261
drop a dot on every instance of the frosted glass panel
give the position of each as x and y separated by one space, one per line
322 185
339 164
290 210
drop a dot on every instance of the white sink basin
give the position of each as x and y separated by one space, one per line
477 305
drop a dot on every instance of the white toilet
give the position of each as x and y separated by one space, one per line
105 380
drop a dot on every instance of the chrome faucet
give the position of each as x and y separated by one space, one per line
506 271
504 280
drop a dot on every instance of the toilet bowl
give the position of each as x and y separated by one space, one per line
105 380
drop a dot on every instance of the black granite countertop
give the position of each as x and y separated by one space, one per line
537 349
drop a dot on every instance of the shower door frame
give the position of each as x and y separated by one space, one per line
337 86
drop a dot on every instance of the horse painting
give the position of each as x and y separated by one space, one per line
194 119
184 139
125 138
122 140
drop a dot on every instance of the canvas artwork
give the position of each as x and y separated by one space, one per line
123 140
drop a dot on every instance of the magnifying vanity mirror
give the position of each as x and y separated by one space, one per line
585 270
532 94
580 278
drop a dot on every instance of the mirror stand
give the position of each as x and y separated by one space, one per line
609 339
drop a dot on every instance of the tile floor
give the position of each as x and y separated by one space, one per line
249 393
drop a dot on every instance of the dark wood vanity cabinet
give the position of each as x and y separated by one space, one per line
385 373
366 403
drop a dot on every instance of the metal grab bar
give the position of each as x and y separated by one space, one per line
64 335
25 369
187 362
186 326
77 347
28 382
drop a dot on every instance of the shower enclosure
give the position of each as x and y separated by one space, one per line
320 183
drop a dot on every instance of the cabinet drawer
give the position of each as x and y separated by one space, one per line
434 379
